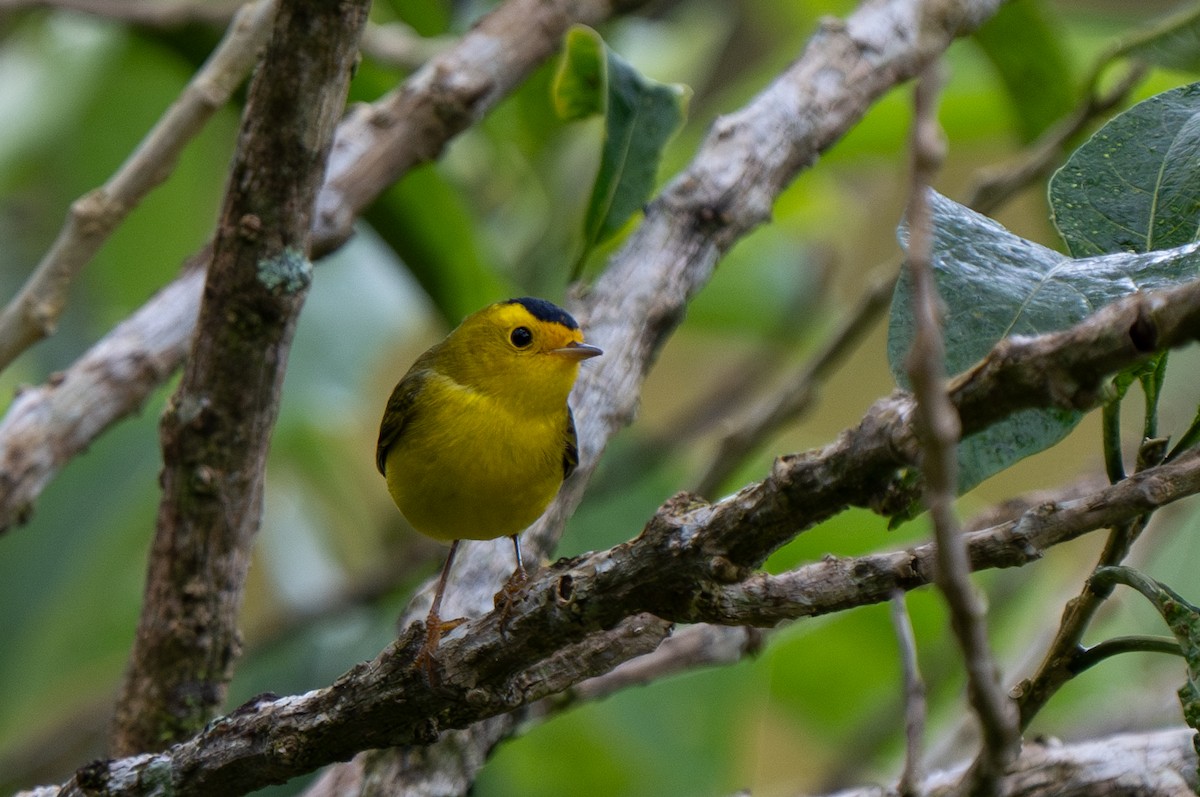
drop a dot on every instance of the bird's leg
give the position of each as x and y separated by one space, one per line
513 588
435 627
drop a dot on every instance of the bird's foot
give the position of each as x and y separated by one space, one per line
509 594
435 629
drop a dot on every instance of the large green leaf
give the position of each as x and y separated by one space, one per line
1134 186
640 117
996 284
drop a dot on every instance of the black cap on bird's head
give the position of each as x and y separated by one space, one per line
543 310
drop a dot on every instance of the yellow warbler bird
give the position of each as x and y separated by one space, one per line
477 437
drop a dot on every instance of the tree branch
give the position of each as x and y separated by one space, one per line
1156 764
216 429
555 637
914 700
48 425
34 312
160 14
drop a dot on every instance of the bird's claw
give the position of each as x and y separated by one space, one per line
435 629
509 594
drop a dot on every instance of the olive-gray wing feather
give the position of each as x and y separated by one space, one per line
571 452
397 414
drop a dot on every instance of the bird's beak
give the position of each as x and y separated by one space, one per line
577 351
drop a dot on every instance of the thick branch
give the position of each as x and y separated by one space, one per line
693 562
554 638
1157 764
216 429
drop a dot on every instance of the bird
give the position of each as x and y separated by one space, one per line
478 436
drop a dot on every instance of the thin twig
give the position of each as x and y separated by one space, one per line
938 429
914 700
696 646
34 312
163 14
1057 667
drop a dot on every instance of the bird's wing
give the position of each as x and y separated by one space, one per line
571 451
399 412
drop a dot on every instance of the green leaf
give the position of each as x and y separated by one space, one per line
1181 617
996 284
580 83
640 117
1134 186
1027 50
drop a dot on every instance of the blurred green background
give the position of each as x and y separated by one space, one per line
500 215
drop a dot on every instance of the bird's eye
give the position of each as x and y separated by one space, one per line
521 337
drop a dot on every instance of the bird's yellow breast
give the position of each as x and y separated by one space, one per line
470 466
